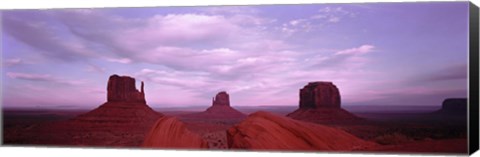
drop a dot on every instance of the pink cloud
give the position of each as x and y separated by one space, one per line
235 54
95 68
43 95
174 28
12 62
33 77
165 39
333 14
250 76
44 37
325 16
174 78
334 19
358 50
43 78
237 10
119 60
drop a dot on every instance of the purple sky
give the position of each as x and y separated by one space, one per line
377 53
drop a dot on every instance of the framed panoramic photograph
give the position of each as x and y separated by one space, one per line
361 78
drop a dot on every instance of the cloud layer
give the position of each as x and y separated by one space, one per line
261 56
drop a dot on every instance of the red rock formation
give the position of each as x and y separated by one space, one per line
322 115
122 89
124 114
220 109
222 112
320 102
320 95
221 99
267 131
124 103
120 113
454 105
168 132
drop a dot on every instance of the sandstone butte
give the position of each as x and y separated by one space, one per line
456 106
267 131
122 89
125 104
125 113
320 101
220 109
169 132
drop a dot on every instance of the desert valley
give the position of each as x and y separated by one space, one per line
318 123
358 78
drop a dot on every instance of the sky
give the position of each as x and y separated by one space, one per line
376 53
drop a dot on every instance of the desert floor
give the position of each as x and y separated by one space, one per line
398 132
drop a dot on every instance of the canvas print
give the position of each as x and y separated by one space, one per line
359 77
